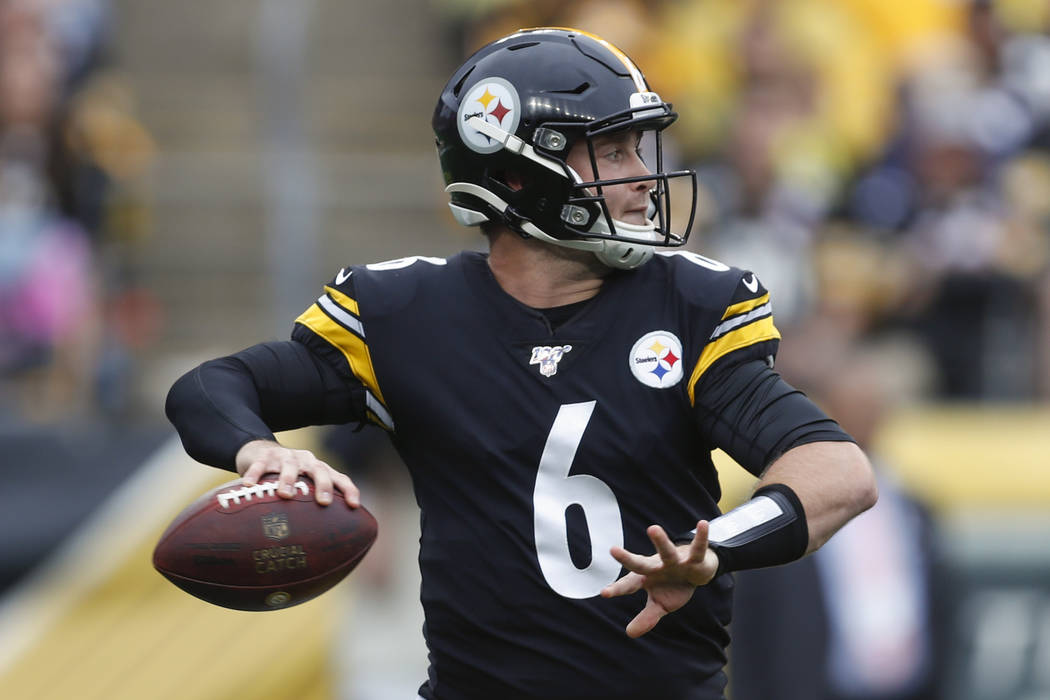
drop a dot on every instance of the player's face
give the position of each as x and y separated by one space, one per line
617 156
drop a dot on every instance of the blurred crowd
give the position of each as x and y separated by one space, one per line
73 206
883 165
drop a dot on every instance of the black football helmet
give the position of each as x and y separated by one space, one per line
518 105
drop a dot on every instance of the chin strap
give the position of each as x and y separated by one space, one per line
618 254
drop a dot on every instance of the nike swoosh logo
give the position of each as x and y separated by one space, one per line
751 283
343 276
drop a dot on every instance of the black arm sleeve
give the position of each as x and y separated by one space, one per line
222 404
751 413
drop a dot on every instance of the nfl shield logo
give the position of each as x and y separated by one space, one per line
548 357
275 526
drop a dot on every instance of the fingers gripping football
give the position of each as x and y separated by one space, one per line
260 457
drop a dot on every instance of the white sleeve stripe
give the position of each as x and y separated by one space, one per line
737 321
340 314
379 409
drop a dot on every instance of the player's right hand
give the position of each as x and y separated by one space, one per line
669 577
260 457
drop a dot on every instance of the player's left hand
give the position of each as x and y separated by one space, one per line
669 577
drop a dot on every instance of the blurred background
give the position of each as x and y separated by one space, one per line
178 179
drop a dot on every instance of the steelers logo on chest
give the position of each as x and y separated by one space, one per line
656 359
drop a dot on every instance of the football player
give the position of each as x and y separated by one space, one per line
555 400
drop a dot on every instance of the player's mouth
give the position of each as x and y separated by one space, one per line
635 216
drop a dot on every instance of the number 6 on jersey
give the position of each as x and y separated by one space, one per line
555 491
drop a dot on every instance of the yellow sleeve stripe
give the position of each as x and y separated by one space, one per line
353 348
745 306
344 301
757 332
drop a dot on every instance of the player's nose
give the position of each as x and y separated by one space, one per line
638 168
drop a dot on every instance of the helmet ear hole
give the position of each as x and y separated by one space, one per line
513 180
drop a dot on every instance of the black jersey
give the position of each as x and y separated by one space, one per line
533 451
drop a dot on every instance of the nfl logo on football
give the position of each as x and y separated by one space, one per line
548 357
275 526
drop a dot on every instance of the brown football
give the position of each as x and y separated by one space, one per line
246 548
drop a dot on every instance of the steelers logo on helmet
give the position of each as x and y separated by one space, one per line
494 100
656 359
